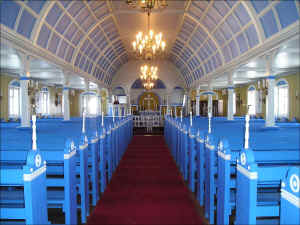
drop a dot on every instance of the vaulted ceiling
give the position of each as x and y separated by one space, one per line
203 38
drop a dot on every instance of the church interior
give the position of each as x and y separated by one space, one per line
149 112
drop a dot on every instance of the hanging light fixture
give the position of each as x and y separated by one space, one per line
147 5
148 85
149 45
148 76
148 73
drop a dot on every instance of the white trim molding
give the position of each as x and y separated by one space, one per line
31 176
247 173
70 155
224 156
290 198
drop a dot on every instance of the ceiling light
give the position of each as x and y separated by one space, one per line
149 45
147 5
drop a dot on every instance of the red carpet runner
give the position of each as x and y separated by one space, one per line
146 189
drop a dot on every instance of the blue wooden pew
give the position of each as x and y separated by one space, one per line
278 206
226 175
31 180
60 174
53 149
207 167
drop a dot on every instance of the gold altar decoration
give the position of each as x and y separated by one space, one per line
149 101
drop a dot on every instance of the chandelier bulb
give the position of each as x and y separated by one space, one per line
151 34
134 45
163 45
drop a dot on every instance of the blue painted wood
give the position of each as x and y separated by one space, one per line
249 174
290 194
200 167
281 150
192 159
33 178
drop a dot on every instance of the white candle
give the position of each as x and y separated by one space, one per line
102 120
191 118
181 116
83 122
34 146
209 122
113 111
247 132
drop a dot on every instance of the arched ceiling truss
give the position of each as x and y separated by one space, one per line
212 35
215 33
82 33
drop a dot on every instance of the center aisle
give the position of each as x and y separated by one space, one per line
146 189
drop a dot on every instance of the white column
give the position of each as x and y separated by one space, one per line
108 103
210 101
198 105
230 105
86 88
128 105
66 103
198 102
25 111
188 105
185 103
270 116
99 102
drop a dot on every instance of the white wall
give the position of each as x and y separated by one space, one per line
167 72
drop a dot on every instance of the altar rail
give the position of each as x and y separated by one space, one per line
148 121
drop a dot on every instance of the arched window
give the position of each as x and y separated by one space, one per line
89 103
252 100
281 98
44 101
14 99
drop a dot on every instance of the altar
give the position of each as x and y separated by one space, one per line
148 101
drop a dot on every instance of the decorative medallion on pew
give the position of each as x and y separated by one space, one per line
290 197
34 166
38 160
223 149
70 149
294 183
246 164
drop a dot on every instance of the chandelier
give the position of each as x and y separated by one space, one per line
148 73
148 76
147 5
148 85
149 45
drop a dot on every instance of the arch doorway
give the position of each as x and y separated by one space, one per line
149 101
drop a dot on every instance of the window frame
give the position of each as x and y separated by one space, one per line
81 108
252 88
281 83
43 91
12 86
